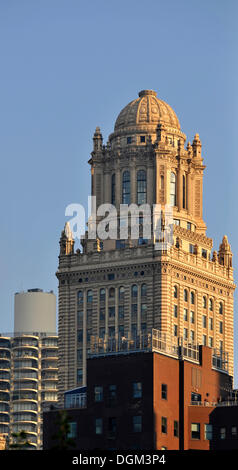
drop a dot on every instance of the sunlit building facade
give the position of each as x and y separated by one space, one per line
119 286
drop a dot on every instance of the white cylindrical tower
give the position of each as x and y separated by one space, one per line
35 311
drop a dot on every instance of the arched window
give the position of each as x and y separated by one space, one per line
80 296
102 295
134 290
192 298
211 305
184 192
89 296
111 292
126 188
113 189
221 308
121 293
204 302
141 187
185 295
175 292
172 189
143 290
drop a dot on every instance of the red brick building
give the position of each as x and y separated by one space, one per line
156 397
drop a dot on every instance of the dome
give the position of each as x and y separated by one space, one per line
147 110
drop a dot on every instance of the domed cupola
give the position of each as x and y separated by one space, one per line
140 121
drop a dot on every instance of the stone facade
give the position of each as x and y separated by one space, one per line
113 288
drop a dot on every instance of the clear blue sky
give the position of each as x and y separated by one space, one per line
70 65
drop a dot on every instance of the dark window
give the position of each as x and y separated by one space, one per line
102 295
189 225
204 253
196 397
141 187
112 392
137 390
72 430
98 393
185 295
129 140
208 431
137 423
164 425
126 188
176 429
223 433
164 391
121 312
111 311
90 296
120 244
134 290
111 276
142 138
175 292
143 290
192 298
111 292
98 425
184 192
221 308
112 426
113 189
80 296
121 293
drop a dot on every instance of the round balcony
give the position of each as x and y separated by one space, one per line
4 407
25 352
4 418
27 395
4 385
49 353
25 417
49 342
5 343
30 406
49 363
4 397
25 363
4 428
29 428
25 384
25 341
5 363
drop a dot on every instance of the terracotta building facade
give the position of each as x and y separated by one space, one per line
123 287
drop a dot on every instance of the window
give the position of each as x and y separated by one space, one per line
175 330
221 308
79 376
192 316
112 392
121 312
120 244
204 321
164 425
141 187
111 331
143 290
143 328
192 298
221 345
121 293
134 330
220 327
126 188
102 295
80 316
137 390
112 426
204 340
196 397
185 314
176 429
137 423
204 253
80 296
185 333
204 302
164 391
89 296
101 333
134 290
121 331
98 393
162 182
175 292
175 311
142 138
210 305
102 314
129 140
133 311
111 292
98 425
113 189
210 323
173 189
195 430
234 431
189 225
191 249
143 311
208 431
184 192
192 336
185 295
80 336
210 342
176 222
111 276
111 312
222 433
72 430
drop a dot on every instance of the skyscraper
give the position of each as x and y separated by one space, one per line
119 286
28 366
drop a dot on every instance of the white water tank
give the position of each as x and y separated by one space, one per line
35 311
